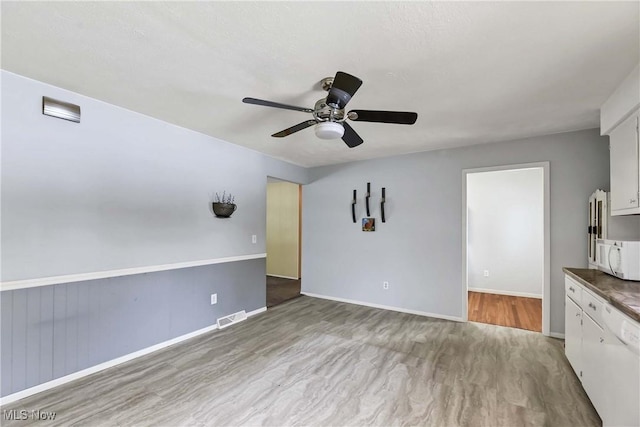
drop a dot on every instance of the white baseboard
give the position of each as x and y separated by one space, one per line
386 307
111 363
508 293
283 277
556 335
257 311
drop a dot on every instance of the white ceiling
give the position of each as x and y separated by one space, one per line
474 72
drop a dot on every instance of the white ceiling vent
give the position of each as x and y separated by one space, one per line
60 109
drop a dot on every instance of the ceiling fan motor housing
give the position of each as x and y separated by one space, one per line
329 130
324 112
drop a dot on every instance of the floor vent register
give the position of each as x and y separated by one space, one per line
231 319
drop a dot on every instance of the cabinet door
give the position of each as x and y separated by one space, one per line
573 335
624 165
594 363
601 214
591 246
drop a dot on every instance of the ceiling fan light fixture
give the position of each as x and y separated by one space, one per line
329 130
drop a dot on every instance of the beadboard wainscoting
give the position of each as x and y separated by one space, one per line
50 332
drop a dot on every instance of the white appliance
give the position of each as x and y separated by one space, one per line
623 368
619 258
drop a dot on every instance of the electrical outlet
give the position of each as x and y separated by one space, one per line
254 239
214 299
486 273
385 285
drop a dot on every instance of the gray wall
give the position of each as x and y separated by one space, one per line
119 189
623 227
51 331
505 231
419 249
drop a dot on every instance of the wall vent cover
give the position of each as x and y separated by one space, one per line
231 319
61 110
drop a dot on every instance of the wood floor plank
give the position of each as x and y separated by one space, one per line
505 310
280 289
311 361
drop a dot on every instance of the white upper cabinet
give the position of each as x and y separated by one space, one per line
625 167
619 118
622 102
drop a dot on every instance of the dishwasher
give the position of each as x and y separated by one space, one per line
623 367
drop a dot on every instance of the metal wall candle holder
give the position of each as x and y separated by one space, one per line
367 197
353 206
382 200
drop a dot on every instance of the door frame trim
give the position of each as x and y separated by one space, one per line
546 288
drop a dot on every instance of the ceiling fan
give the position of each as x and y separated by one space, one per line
329 116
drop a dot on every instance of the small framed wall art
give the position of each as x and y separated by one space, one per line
368 224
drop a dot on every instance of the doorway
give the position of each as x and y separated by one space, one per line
506 246
283 240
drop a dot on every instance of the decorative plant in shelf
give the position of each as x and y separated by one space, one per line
224 206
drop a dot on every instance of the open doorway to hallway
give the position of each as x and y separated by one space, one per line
283 240
505 247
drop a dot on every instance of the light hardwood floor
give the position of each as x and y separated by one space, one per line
315 362
505 310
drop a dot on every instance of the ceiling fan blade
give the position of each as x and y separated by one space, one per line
350 137
275 104
294 129
397 117
344 86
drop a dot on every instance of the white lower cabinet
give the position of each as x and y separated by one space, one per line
608 369
594 377
585 344
573 334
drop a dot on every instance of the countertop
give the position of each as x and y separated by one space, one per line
622 294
